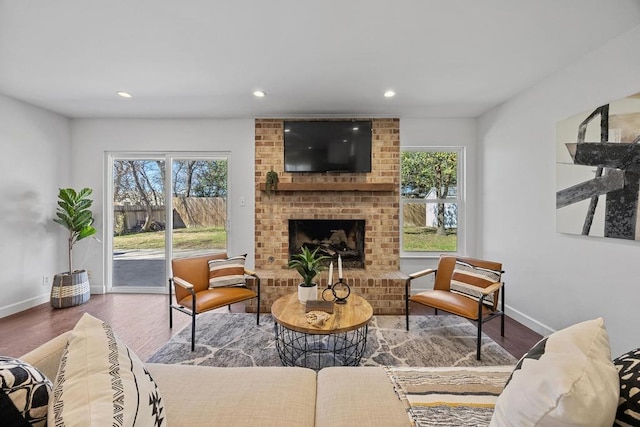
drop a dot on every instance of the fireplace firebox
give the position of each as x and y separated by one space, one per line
331 237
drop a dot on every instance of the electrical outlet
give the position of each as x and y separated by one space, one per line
46 281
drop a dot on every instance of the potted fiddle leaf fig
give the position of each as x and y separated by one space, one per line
72 287
308 263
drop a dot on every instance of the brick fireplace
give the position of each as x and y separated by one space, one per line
370 197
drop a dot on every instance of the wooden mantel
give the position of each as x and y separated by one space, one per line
333 186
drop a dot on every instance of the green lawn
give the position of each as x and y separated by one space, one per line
416 239
183 238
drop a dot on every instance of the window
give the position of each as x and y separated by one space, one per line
431 199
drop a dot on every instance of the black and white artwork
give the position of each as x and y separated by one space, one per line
598 171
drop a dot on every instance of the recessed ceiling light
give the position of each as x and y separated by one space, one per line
259 93
389 94
124 94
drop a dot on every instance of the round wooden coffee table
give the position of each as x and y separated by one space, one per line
340 341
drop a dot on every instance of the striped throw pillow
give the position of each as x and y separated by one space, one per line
227 272
469 280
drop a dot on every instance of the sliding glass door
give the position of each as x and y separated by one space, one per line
150 194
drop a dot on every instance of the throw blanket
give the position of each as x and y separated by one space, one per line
451 396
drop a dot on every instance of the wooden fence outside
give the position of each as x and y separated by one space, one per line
187 212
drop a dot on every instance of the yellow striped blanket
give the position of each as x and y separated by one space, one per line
449 396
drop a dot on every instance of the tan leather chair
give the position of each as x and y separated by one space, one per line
482 279
190 280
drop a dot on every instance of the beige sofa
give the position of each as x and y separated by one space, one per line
567 378
274 396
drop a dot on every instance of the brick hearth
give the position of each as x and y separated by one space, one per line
330 197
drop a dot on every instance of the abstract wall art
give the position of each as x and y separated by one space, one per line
598 171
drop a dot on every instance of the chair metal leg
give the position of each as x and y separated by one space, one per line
193 331
193 321
479 339
258 308
258 312
406 302
170 309
502 317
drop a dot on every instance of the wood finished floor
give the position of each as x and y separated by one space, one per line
142 322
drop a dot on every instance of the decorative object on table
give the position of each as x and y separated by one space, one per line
317 318
338 291
72 287
308 264
271 183
319 305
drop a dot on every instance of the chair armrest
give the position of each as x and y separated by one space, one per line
491 288
183 283
250 273
422 273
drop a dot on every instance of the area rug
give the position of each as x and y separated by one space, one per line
234 339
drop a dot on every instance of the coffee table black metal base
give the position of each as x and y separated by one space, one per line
317 351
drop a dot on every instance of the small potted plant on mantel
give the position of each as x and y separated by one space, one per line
308 264
72 287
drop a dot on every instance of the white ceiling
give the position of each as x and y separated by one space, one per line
204 58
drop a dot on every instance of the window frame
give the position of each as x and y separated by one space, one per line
459 200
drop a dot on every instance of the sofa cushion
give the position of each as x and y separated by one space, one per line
24 394
628 366
239 397
358 396
567 378
227 272
101 381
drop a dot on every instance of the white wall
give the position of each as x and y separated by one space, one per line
91 139
554 278
416 132
35 150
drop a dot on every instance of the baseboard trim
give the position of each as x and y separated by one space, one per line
96 289
528 321
23 305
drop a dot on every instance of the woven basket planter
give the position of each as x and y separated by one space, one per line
68 291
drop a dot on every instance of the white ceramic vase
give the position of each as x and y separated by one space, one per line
306 293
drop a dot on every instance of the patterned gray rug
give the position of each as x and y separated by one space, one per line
233 339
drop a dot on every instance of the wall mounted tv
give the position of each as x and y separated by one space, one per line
327 146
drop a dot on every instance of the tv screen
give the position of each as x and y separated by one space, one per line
327 146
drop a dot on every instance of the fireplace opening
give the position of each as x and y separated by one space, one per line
332 237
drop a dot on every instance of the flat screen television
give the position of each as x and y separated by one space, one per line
327 146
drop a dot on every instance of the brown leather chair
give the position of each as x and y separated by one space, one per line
465 287
190 280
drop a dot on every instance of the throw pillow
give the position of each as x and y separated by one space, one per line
469 280
567 379
100 381
628 366
24 394
227 272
